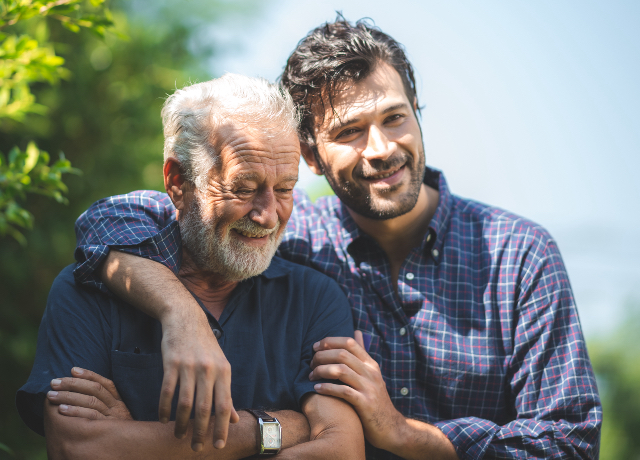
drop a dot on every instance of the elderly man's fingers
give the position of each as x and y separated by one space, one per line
105 382
75 411
224 407
185 401
169 382
77 399
85 387
204 400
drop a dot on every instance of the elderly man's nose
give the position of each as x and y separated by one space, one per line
264 210
379 147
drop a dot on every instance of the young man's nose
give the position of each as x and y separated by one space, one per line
379 147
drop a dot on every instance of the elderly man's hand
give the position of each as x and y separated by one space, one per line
87 395
192 357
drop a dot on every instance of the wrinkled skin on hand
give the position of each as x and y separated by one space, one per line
88 395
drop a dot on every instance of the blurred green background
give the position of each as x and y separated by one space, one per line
104 116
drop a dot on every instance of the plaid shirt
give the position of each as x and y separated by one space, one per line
481 338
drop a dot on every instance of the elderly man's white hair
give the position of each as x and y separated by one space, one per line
192 114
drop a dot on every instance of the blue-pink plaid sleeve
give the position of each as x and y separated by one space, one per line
140 223
553 388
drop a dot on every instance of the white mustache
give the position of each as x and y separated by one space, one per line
246 225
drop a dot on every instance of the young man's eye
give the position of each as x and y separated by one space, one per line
394 117
346 133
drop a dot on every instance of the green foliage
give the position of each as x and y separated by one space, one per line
27 59
615 361
105 117
28 172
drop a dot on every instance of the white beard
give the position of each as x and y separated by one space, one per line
224 254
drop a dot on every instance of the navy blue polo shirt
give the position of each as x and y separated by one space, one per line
267 331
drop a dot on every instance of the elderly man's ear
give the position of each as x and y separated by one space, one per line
175 183
310 158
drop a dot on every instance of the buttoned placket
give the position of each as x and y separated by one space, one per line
376 272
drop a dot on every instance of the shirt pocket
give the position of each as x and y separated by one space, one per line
138 378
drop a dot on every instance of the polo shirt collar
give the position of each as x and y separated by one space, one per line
277 269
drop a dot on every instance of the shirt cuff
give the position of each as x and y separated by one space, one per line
470 436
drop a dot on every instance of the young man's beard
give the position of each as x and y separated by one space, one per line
219 252
360 200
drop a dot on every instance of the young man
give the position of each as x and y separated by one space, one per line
466 310
222 137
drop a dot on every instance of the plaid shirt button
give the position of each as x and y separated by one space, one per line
403 331
409 276
404 391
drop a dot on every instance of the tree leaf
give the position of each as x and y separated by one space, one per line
33 153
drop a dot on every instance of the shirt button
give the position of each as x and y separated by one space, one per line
428 237
435 253
403 331
409 276
217 333
404 391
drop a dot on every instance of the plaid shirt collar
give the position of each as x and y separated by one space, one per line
357 241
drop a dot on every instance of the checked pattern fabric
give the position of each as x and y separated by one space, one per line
480 337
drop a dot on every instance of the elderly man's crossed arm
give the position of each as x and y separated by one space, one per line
87 419
231 161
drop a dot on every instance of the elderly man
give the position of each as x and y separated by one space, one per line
231 161
474 343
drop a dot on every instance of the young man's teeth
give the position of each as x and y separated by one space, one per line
384 176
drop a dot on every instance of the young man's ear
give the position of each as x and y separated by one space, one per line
311 159
174 182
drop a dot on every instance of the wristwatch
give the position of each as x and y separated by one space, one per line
269 434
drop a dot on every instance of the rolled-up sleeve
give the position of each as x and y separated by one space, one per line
140 223
553 387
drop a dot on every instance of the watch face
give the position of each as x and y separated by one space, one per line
271 435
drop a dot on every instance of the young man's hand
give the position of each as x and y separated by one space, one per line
192 357
345 359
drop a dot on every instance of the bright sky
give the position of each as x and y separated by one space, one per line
529 106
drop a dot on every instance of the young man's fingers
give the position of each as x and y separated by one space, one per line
85 387
204 399
339 356
77 399
340 372
75 411
357 335
346 343
169 383
224 409
105 382
339 391
185 402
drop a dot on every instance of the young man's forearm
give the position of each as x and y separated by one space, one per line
190 352
79 438
147 285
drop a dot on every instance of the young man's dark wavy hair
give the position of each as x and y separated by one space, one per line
335 54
